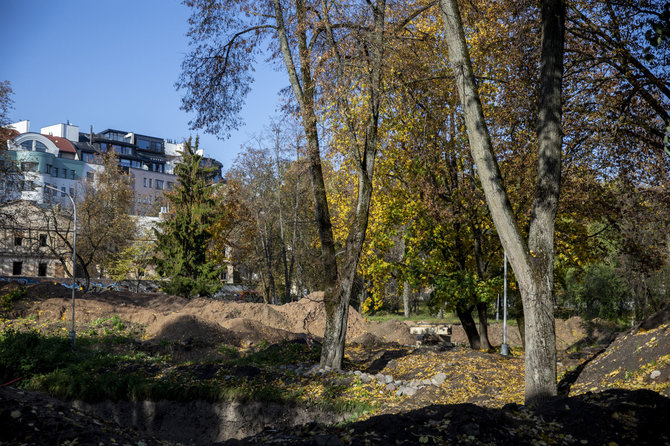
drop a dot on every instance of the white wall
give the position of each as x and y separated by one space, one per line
21 126
66 131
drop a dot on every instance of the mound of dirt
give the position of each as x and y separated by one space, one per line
219 311
569 332
308 315
393 331
187 328
251 333
636 358
367 339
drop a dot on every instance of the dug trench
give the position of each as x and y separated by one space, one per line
202 422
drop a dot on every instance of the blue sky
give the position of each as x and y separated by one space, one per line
113 64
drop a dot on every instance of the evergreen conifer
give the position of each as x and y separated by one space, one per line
183 237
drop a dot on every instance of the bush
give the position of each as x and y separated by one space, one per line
27 353
598 291
7 300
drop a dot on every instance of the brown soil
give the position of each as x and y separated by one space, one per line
173 318
392 331
568 333
490 382
639 357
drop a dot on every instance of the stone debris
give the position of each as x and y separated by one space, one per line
406 388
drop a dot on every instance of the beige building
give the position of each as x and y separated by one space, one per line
32 243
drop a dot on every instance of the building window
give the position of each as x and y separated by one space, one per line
17 267
18 240
72 192
54 172
28 167
62 191
42 270
39 147
150 182
145 182
90 176
159 184
64 173
43 240
27 145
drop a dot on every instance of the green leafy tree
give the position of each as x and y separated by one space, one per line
135 263
184 237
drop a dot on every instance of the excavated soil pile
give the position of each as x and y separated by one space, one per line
639 357
393 331
186 328
173 318
568 333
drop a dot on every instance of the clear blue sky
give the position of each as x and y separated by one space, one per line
113 64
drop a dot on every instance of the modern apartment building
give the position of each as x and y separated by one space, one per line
64 158
61 156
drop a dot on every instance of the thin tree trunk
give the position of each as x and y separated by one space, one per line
468 323
405 299
533 262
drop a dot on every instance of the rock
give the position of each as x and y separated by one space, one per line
380 377
388 379
427 382
365 378
358 373
655 374
439 379
409 391
398 392
390 387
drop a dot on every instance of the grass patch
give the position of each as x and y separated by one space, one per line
282 353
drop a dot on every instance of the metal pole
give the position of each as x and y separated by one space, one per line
74 258
504 348
498 307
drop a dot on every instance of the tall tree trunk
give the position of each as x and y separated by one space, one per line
520 321
468 323
287 280
405 299
337 283
304 91
481 272
533 262
483 325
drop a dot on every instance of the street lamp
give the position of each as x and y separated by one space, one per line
74 256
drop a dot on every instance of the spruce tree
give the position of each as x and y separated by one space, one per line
183 237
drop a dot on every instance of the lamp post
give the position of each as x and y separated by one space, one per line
74 256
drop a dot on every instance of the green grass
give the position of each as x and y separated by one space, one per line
282 353
425 315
